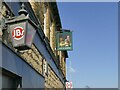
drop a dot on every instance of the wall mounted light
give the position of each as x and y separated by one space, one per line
22 30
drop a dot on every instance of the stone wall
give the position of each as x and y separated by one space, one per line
39 11
51 79
4 33
62 63
32 56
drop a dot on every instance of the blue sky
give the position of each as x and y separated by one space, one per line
94 59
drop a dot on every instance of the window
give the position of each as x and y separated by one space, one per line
10 80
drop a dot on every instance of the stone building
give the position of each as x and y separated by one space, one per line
42 66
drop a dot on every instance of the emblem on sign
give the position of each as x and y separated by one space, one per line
18 33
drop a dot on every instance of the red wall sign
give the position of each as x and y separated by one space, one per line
69 85
18 33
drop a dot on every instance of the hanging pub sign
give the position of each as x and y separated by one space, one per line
64 40
22 30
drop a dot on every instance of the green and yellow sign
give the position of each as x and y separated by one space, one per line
64 40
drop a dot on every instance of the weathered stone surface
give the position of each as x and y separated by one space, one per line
38 8
51 80
34 58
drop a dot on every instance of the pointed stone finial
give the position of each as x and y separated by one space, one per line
22 10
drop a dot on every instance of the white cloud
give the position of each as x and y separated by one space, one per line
71 70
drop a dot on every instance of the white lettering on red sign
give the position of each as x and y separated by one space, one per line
68 84
18 33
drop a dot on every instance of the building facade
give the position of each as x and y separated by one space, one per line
42 66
